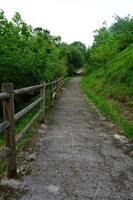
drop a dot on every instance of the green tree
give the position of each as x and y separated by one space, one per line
104 46
29 54
122 31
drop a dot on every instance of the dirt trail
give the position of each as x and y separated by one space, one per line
78 157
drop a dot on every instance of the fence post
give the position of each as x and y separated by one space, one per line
42 103
8 112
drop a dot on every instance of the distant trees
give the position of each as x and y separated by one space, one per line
76 56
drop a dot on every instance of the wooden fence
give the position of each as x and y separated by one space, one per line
10 118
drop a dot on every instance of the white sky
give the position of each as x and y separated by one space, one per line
73 20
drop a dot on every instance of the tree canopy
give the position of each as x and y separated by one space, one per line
34 54
29 55
76 56
109 41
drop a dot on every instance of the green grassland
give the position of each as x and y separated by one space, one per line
110 87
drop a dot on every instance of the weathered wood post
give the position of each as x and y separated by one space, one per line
8 112
42 103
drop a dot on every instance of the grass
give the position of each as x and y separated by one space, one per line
111 89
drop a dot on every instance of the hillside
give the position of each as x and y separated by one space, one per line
110 87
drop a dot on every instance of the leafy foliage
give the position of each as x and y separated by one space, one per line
28 55
108 42
109 81
104 47
76 56
122 31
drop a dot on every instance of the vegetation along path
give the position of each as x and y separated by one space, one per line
78 156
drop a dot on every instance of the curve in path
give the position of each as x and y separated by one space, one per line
78 158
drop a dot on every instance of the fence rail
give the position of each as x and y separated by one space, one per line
4 125
27 89
10 118
4 96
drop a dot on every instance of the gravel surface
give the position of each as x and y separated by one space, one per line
78 157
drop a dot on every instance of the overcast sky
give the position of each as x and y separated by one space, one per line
73 20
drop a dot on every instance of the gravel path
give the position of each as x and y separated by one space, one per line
78 157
